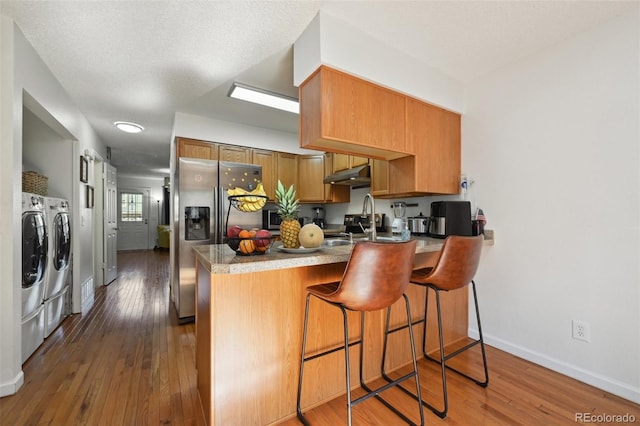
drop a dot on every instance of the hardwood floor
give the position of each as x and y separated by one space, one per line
128 362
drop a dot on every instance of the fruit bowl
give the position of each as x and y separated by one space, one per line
249 246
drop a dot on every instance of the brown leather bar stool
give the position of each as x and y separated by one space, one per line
376 276
455 269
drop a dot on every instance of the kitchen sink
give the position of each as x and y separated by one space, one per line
335 242
391 239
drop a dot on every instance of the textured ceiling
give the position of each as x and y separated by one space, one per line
142 61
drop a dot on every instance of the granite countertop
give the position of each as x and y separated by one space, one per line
220 259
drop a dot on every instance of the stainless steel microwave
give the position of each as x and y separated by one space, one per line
271 219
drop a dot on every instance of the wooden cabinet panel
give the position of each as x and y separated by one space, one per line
310 175
344 161
379 177
287 165
343 113
435 133
334 193
355 161
235 154
435 169
193 148
340 162
311 172
268 161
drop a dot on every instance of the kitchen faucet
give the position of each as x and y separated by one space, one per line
372 222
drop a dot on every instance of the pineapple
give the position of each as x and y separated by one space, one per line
287 209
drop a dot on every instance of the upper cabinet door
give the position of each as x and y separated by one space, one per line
193 148
435 133
342 113
268 160
235 154
310 175
287 165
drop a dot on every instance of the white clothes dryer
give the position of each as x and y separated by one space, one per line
34 268
55 290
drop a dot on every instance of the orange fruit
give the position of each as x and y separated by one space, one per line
247 246
261 248
245 234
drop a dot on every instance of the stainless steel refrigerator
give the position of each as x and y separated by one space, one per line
201 215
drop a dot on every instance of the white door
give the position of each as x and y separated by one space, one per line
133 218
111 223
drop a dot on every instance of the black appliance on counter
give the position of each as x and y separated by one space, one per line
450 218
352 222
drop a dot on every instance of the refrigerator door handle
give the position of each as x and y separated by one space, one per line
216 215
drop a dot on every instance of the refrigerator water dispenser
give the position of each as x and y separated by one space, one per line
196 223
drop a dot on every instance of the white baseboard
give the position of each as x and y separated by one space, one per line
87 295
11 387
623 390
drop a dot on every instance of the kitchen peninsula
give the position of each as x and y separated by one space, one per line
249 318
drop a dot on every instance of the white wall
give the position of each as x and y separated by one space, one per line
25 76
553 145
209 129
331 41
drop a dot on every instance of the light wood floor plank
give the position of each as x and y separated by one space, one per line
128 362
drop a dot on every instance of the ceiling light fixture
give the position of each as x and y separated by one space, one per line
264 97
128 127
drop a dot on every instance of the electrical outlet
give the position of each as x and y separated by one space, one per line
581 330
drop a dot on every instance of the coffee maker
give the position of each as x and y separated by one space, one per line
318 216
450 218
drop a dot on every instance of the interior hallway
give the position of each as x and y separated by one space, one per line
127 362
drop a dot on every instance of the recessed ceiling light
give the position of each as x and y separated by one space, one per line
128 127
264 97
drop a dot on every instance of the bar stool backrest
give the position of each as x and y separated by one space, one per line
458 262
376 275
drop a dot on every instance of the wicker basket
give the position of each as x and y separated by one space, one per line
35 183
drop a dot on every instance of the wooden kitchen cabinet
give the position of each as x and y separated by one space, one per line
436 167
379 177
312 170
235 154
344 162
287 169
268 160
194 148
343 113
310 176
334 193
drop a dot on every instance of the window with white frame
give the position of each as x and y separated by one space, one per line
130 207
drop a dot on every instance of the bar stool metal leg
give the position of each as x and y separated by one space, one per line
363 288
443 358
370 392
397 382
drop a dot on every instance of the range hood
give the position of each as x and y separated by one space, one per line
357 177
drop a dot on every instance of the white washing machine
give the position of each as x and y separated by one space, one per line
55 288
34 268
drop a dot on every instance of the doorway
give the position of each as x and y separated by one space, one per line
133 218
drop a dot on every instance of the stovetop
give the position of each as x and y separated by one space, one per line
352 221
